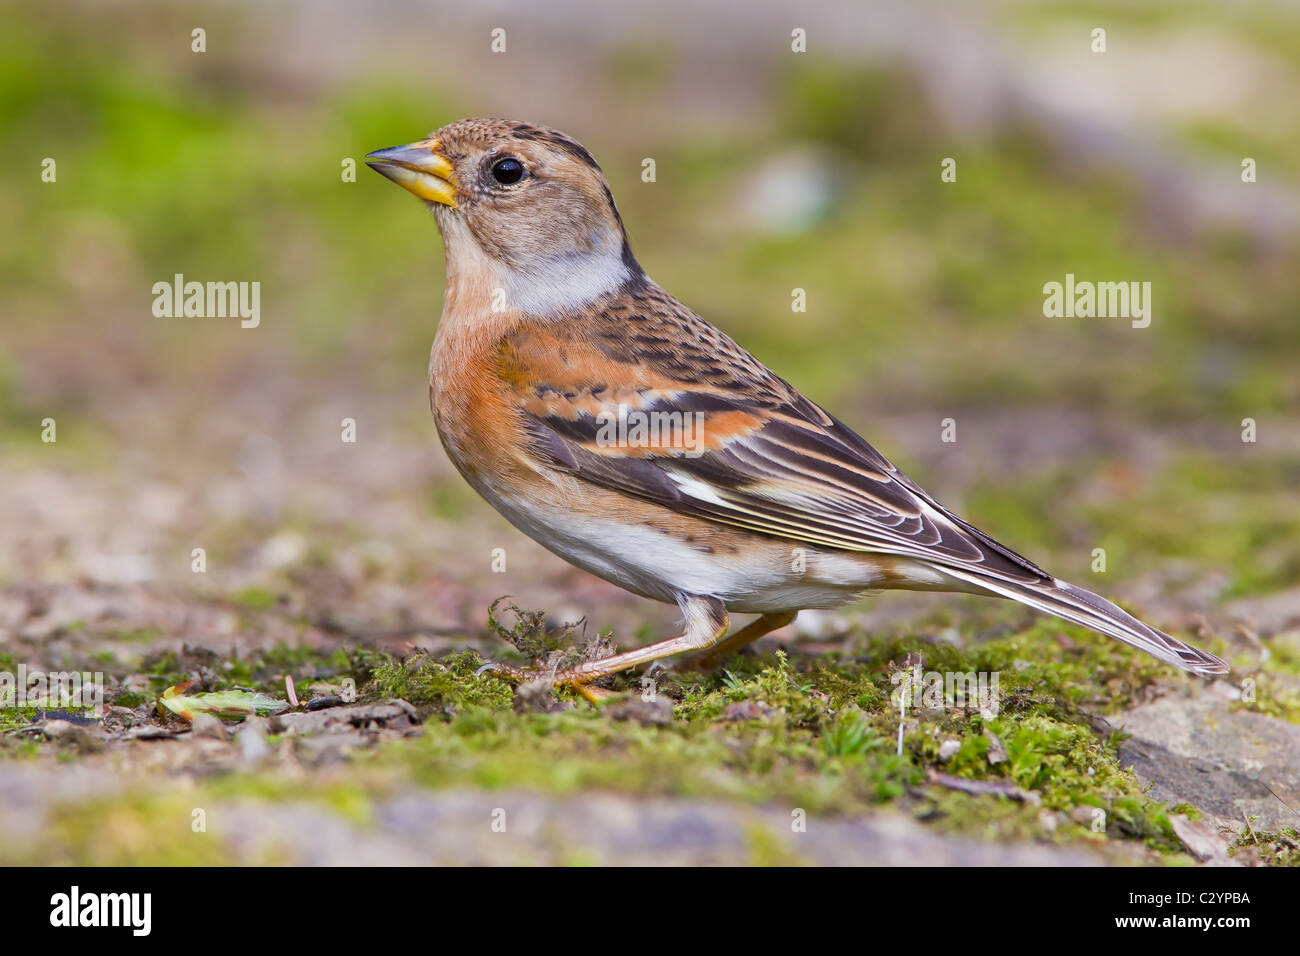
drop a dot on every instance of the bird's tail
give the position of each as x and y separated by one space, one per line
1054 596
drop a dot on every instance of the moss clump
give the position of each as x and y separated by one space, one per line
132 699
12 718
544 645
1273 696
446 686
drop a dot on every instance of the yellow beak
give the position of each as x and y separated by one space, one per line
418 168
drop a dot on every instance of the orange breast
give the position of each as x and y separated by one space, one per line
477 419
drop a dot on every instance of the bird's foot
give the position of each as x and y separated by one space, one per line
582 676
709 659
569 677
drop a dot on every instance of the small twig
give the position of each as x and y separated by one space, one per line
977 788
1249 827
1279 799
288 687
1249 635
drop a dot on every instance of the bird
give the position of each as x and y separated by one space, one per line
623 432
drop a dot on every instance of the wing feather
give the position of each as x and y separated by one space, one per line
772 462
780 478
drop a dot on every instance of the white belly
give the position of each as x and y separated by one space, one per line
658 565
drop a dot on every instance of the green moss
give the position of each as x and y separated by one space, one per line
813 733
447 685
1273 696
818 734
131 698
12 718
529 634
255 599
1280 848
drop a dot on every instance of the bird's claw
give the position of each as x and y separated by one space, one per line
565 678
505 670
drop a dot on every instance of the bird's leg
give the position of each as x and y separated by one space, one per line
752 631
706 622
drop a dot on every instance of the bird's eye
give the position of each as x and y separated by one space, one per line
508 171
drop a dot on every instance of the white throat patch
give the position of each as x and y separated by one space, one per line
560 287
567 284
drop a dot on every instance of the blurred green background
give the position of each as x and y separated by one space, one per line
775 170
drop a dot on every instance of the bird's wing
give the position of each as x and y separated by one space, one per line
726 440
737 445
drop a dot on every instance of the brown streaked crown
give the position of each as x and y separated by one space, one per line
561 206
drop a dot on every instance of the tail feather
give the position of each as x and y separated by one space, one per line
1093 611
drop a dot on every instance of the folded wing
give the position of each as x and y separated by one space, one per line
639 407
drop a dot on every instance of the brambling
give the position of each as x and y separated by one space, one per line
613 425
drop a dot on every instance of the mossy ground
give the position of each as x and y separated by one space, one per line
823 736
790 730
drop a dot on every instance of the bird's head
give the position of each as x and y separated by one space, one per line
527 203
